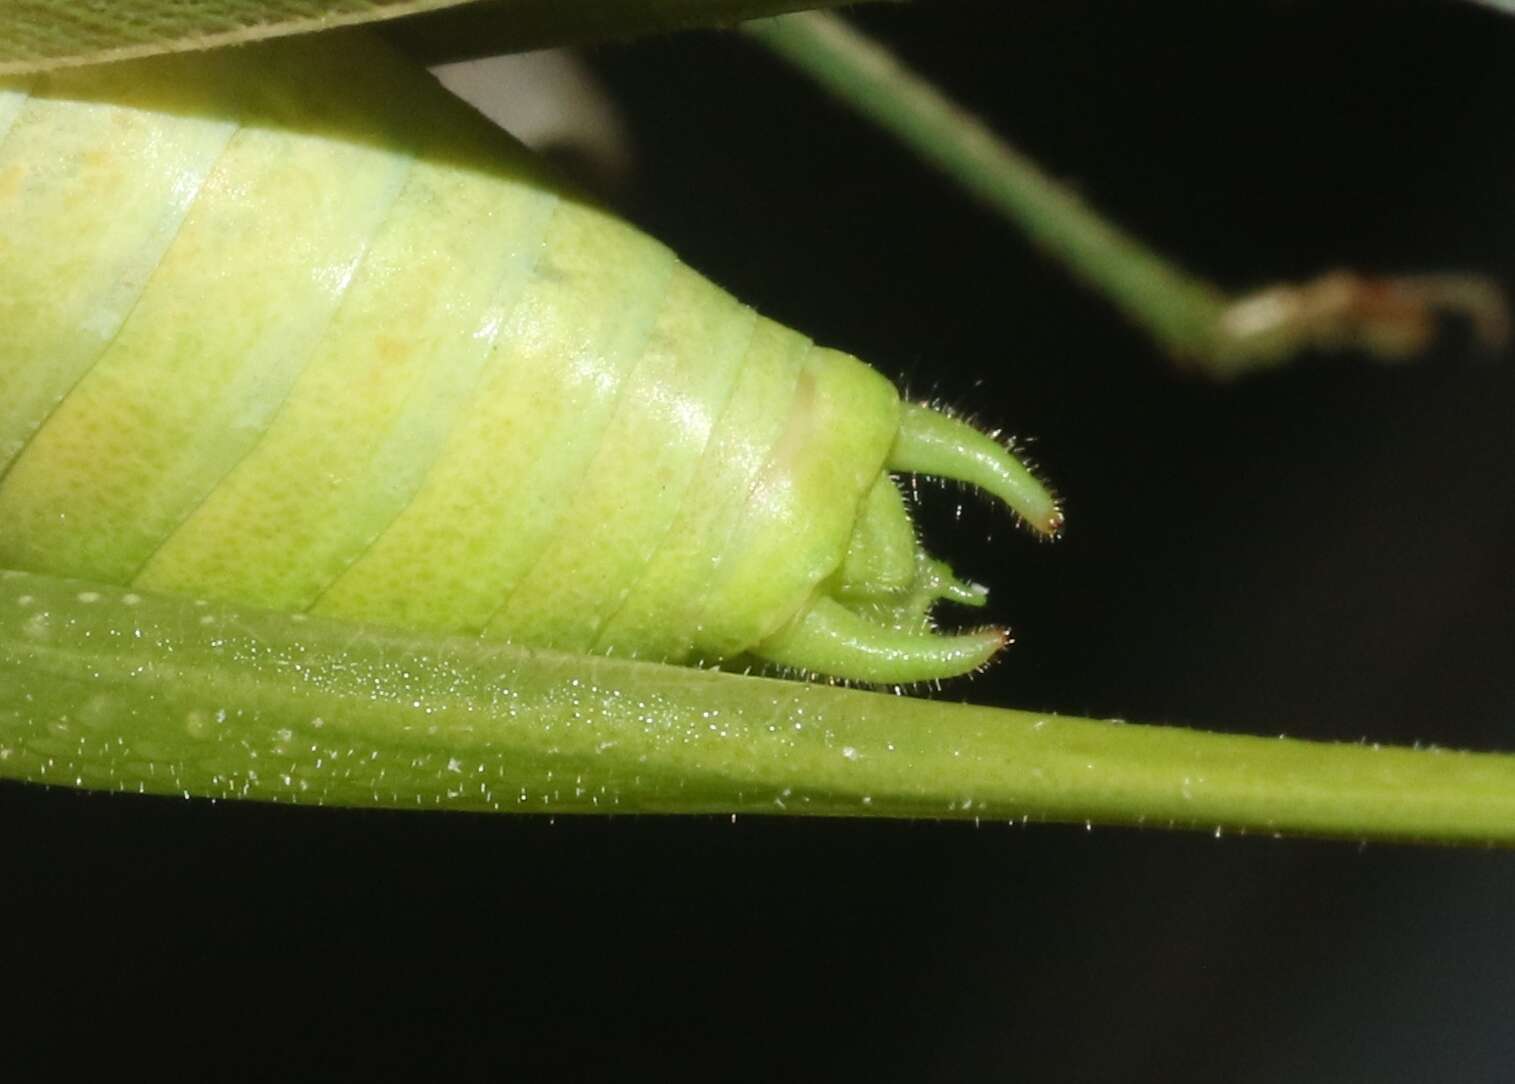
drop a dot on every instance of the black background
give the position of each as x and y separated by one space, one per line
1325 551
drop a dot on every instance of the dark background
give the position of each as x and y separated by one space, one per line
1325 551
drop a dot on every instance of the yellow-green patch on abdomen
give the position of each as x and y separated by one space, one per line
177 400
490 503
351 447
87 209
621 513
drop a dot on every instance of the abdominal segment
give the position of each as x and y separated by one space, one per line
299 330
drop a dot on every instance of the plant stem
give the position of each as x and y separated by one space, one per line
106 689
1193 319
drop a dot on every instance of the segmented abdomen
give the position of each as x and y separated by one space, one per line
269 338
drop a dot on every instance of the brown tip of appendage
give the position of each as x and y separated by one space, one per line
1006 640
830 639
938 445
1054 524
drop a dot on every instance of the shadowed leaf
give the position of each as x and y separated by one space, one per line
39 34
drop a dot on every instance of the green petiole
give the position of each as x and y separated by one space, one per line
137 692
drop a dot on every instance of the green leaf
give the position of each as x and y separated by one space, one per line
156 694
39 34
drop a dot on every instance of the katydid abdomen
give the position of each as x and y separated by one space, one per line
291 326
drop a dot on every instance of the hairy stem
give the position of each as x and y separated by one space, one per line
1194 320
106 689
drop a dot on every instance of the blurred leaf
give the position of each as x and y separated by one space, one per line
39 34
500 26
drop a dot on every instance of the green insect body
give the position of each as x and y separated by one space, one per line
290 326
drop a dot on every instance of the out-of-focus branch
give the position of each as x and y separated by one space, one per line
1201 325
